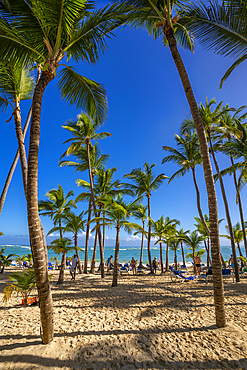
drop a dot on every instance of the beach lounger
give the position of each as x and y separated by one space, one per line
226 274
140 271
174 274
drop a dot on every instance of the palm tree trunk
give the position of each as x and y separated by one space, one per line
142 244
240 207
35 233
182 249
167 256
149 236
212 200
208 255
176 261
115 270
161 259
198 202
87 237
227 212
94 207
77 254
61 273
92 271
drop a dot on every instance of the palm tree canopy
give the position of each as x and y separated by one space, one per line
193 240
72 223
163 227
186 156
144 180
46 32
61 245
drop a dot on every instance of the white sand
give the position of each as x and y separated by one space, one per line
146 322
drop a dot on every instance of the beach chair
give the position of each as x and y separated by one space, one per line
187 278
174 274
226 274
124 270
140 271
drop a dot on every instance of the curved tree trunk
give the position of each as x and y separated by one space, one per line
199 203
142 244
115 270
34 223
208 255
227 212
63 266
161 259
212 200
182 249
240 208
92 270
149 236
94 207
87 238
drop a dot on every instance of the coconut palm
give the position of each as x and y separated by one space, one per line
174 246
117 212
20 282
17 84
145 182
61 245
97 161
72 224
193 241
220 27
180 235
156 16
141 214
5 261
186 156
83 132
160 229
45 33
57 205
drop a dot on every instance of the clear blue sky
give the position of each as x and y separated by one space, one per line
146 106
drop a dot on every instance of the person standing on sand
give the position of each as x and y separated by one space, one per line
73 267
231 262
197 262
155 264
109 264
133 265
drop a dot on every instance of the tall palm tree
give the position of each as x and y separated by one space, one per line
145 182
186 156
117 212
45 33
97 161
156 16
72 224
193 241
141 214
17 84
83 131
160 229
180 235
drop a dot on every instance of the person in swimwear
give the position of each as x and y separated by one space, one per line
197 262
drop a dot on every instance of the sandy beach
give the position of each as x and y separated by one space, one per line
147 322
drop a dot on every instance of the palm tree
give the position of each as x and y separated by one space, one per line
157 17
5 261
20 282
160 229
202 231
61 245
187 156
141 214
97 161
57 206
174 246
180 236
72 224
238 236
17 84
83 131
46 33
193 241
117 212
144 183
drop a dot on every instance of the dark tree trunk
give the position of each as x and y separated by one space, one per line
142 244
34 224
77 254
212 200
115 270
167 256
227 212
182 249
87 238
63 266
161 259
92 271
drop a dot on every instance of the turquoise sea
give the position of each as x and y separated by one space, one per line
125 253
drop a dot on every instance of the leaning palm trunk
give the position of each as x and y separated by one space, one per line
227 212
161 259
208 255
240 207
36 238
92 270
149 236
212 200
94 207
142 243
198 202
62 268
115 270
87 237
182 249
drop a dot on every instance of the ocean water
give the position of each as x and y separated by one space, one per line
125 253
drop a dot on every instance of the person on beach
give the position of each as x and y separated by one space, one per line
109 264
73 267
197 262
155 264
133 265
231 262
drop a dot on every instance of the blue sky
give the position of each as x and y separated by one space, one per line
146 106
